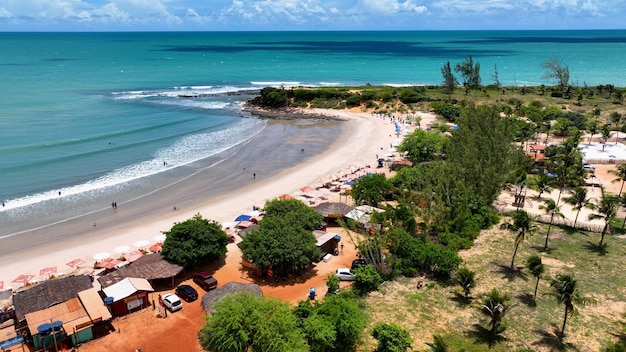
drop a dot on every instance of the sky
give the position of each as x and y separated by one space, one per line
296 15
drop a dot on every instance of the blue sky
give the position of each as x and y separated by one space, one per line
229 15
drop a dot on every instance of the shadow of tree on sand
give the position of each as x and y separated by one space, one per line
510 274
461 300
553 340
596 248
481 334
527 299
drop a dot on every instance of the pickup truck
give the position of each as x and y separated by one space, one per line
205 280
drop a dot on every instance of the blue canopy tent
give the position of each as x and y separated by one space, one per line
243 217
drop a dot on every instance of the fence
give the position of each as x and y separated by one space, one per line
542 217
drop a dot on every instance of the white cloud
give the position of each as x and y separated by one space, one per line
393 6
4 13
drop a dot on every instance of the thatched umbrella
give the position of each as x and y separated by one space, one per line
210 298
336 209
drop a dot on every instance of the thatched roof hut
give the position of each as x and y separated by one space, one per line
48 293
333 210
150 267
209 298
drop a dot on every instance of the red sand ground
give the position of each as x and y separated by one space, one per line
179 331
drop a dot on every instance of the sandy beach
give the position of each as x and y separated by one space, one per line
362 137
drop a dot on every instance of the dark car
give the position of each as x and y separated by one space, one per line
204 280
187 293
358 263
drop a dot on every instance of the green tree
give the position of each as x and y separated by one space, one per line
578 200
423 145
371 189
194 241
391 338
247 322
565 290
542 183
273 97
494 305
332 283
482 150
449 81
556 69
278 244
366 280
620 173
470 72
606 134
536 268
522 224
438 344
283 240
592 129
345 318
466 279
606 209
551 208
616 118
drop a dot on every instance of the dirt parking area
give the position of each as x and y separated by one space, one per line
152 332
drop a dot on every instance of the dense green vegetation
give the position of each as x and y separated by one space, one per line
440 205
195 241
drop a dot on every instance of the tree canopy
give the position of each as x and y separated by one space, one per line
371 189
424 146
194 241
247 322
283 240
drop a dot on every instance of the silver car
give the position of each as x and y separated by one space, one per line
344 274
172 302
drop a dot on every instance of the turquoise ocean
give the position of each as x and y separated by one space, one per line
85 114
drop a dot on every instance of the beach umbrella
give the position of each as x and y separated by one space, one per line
243 217
159 238
133 255
1 285
101 256
142 243
108 263
307 189
157 247
48 271
76 263
285 196
121 249
24 278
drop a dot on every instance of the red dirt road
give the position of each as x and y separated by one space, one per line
178 331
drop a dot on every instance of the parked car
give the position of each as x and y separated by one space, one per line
205 280
358 263
187 293
172 302
589 168
344 274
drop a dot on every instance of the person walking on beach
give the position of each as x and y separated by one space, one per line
254 176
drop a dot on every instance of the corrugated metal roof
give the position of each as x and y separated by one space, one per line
127 287
71 313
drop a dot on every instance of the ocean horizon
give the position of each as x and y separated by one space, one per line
88 114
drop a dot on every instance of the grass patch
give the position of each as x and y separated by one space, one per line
530 324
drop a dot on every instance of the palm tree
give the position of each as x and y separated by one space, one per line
550 207
542 183
606 208
523 224
466 279
438 344
616 118
606 134
536 268
620 172
578 200
494 305
565 290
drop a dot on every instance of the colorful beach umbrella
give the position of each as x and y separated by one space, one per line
108 263
75 263
157 247
24 278
133 255
1 285
48 271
